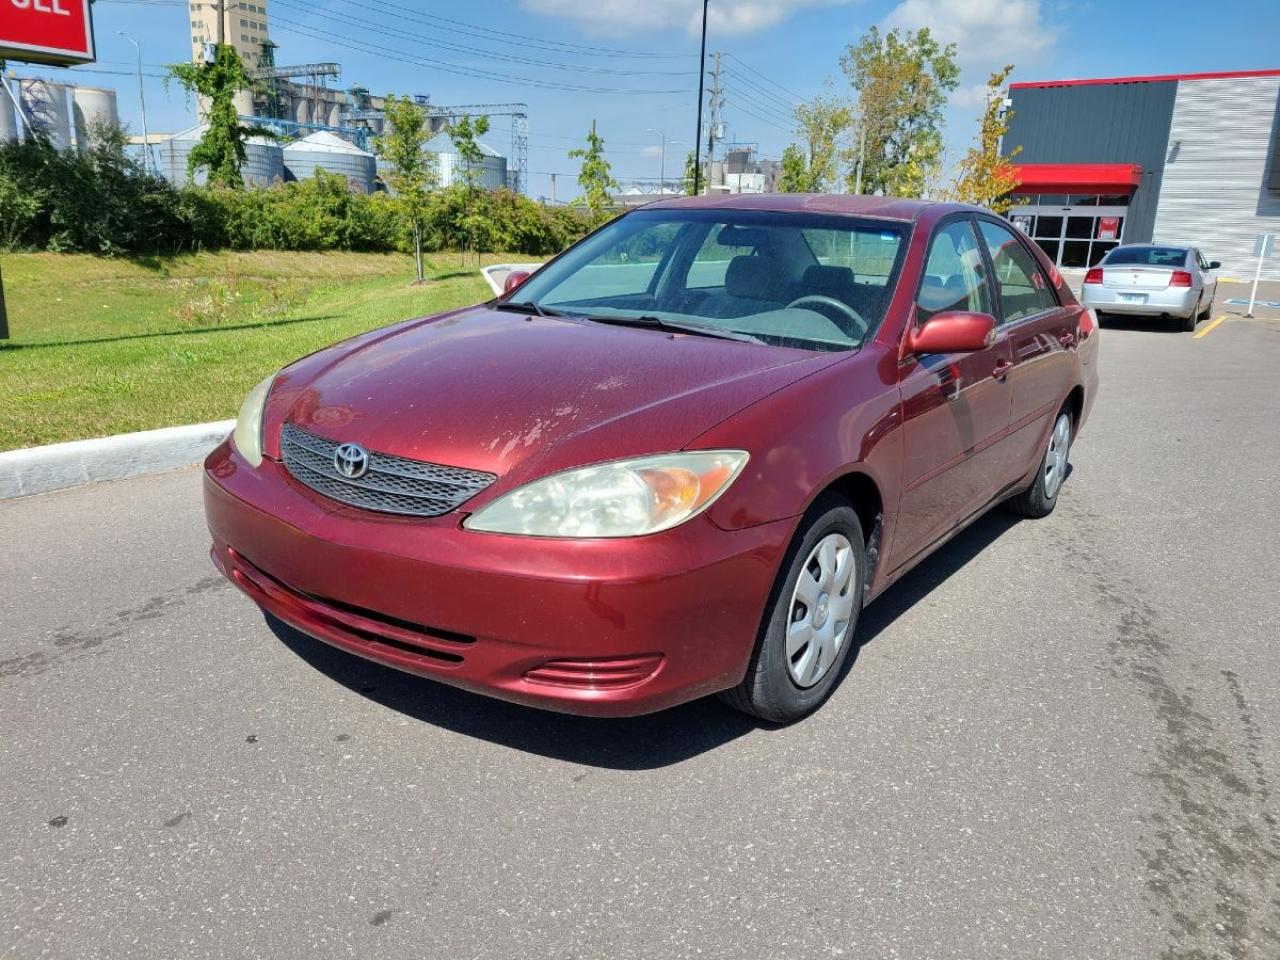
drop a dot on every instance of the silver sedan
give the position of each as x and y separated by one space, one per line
1153 280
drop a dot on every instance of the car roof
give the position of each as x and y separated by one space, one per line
892 208
1153 246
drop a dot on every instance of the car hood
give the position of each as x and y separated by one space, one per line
523 396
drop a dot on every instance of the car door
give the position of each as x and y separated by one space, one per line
1041 335
1209 278
955 407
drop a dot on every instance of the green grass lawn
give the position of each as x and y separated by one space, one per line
101 346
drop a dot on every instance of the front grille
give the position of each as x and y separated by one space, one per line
392 484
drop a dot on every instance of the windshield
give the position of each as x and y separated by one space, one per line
811 281
1148 256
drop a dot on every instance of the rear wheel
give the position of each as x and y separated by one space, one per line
1189 322
806 638
1039 499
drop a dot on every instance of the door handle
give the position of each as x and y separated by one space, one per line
1067 340
1002 369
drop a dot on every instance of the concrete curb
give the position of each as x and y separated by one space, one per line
58 466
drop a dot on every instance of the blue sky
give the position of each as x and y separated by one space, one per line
612 50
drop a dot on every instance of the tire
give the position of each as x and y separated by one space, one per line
1207 311
1189 322
1039 499
781 688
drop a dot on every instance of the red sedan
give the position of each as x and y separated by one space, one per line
677 460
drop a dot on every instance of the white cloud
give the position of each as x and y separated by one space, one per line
618 16
987 33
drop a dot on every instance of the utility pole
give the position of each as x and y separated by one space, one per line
697 134
553 189
221 32
862 156
715 98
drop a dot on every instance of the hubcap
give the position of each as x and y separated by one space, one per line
1055 461
820 611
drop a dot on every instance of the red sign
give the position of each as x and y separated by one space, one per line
59 32
1108 228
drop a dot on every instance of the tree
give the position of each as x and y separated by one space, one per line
221 149
795 172
985 176
690 174
594 177
463 134
901 81
411 175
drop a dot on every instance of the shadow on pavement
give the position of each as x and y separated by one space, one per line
228 328
638 743
1115 321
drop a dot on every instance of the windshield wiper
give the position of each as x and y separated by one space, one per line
679 326
527 306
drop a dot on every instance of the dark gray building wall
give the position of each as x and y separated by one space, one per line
1099 123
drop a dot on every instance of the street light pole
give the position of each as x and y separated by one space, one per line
662 161
142 97
697 134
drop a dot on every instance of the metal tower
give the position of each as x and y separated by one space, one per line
518 172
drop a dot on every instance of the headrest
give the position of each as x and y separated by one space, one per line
753 278
936 295
831 281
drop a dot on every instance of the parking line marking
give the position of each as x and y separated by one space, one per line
1209 329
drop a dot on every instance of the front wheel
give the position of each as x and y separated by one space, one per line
1039 499
812 617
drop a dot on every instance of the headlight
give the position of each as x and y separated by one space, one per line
626 498
248 433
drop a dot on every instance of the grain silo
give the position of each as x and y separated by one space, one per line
44 104
8 118
90 107
263 164
327 151
490 172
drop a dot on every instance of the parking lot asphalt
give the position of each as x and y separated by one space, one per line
1060 739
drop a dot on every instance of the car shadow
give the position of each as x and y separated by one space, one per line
636 743
1115 321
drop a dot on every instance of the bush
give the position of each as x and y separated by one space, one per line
98 201
320 213
103 202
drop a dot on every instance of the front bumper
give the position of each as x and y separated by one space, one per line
596 627
1173 301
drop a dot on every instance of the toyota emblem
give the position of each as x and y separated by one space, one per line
351 461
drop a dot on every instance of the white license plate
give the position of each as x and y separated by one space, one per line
1133 298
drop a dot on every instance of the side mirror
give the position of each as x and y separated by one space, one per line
514 279
1214 264
953 331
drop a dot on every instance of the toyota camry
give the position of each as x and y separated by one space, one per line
677 460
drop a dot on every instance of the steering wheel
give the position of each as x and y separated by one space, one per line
843 309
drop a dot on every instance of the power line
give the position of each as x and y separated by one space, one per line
398 33
790 93
315 33
774 102
474 30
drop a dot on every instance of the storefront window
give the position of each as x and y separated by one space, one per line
1075 253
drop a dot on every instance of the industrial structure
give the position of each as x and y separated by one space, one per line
1178 159
318 123
263 164
327 151
65 115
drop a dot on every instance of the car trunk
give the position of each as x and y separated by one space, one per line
1136 278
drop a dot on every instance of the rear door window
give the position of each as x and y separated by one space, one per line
1024 290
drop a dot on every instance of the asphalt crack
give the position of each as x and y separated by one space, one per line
1211 848
69 644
